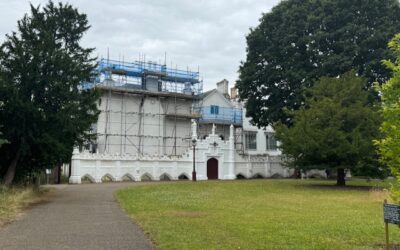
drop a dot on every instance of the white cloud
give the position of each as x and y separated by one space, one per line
203 33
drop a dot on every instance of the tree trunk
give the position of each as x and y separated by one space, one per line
341 181
9 177
59 174
69 170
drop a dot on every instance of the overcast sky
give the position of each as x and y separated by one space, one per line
206 34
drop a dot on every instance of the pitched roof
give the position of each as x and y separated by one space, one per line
208 93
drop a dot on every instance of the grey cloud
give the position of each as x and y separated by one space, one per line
206 34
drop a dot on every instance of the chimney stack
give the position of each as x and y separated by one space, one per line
222 87
234 93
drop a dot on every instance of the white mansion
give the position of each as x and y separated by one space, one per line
152 115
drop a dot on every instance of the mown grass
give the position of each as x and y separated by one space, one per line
260 214
14 199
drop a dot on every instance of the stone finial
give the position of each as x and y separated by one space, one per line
194 130
75 151
213 129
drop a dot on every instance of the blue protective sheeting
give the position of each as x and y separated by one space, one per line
224 115
139 69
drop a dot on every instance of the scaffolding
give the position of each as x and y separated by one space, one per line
133 75
125 121
222 116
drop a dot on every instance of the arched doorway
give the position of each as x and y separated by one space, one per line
212 169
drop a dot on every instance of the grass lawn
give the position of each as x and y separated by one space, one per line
260 214
13 200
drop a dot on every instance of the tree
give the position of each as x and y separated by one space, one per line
300 41
389 145
336 130
42 108
2 141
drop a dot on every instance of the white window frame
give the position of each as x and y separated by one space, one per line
249 143
270 142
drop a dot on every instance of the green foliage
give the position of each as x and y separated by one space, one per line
300 41
336 129
43 110
2 141
389 146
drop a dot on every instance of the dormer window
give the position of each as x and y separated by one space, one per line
214 110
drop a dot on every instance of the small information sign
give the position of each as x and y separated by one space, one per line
391 213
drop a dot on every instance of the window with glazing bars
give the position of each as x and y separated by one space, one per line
251 140
214 110
271 141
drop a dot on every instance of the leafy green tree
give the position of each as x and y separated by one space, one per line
389 146
336 130
43 110
300 41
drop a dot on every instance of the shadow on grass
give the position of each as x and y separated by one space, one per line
333 186
42 197
392 246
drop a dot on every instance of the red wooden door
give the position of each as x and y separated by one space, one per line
212 169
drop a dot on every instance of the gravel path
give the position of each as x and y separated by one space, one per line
77 217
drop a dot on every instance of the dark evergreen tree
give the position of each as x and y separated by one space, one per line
300 41
2 141
336 130
42 109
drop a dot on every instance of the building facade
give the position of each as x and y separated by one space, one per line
150 118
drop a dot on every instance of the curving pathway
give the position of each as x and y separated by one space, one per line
78 217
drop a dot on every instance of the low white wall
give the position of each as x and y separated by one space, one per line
95 167
230 164
116 167
250 166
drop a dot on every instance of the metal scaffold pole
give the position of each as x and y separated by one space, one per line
139 129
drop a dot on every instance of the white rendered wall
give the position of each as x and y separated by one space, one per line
216 98
261 138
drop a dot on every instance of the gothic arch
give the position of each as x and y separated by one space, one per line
88 177
183 176
258 176
107 178
165 177
127 177
241 176
146 177
276 176
212 169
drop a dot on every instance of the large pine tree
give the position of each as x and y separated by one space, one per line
42 109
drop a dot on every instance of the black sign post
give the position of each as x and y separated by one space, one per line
391 214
